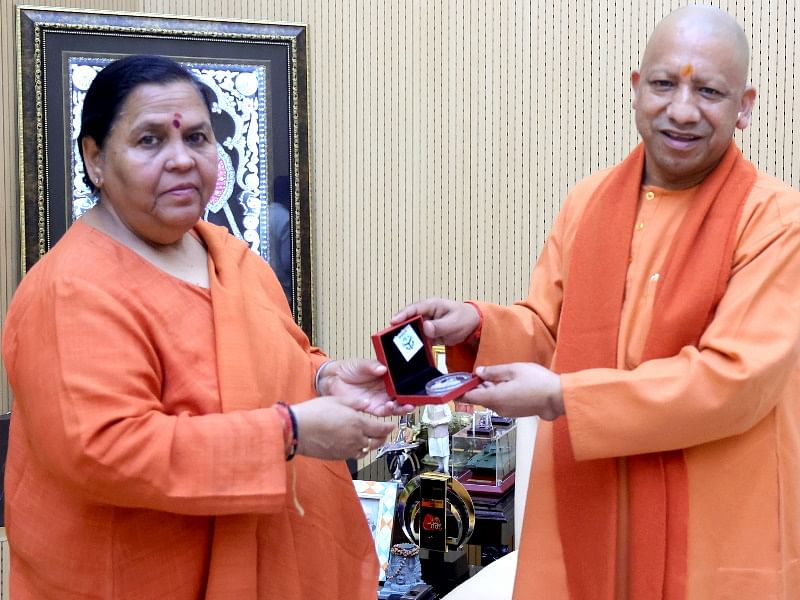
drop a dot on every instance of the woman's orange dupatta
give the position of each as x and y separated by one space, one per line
333 523
692 283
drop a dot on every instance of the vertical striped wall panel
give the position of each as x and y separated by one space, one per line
5 566
445 134
9 220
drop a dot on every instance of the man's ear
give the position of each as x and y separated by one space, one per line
635 78
93 158
746 108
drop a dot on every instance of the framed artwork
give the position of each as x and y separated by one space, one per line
257 75
378 500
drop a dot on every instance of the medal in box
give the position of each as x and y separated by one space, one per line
412 377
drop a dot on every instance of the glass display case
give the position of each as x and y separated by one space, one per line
485 461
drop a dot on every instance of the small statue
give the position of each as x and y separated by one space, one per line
404 571
437 418
482 422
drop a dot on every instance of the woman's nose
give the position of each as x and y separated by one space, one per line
180 156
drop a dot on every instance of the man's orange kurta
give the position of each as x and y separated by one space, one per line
732 403
139 466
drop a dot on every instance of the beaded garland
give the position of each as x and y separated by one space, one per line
398 550
405 552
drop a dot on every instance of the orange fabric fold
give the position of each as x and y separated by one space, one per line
251 331
242 386
693 280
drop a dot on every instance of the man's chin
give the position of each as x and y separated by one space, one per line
681 175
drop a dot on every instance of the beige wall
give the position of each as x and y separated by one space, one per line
445 134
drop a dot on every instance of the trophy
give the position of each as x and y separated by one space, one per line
436 512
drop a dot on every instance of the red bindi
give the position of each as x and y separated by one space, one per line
176 122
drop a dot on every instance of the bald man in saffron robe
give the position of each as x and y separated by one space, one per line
660 344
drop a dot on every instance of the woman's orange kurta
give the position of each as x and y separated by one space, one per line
144 459
732 403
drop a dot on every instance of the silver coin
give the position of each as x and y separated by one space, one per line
444 383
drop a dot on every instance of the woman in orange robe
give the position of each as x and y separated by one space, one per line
161 386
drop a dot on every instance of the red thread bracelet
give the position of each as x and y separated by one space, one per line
289 429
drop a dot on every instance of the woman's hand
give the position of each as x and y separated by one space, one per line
335 428
360 378
446 321
519 390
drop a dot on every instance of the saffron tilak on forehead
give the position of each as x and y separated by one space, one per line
687 70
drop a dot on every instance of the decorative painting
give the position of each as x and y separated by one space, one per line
257 75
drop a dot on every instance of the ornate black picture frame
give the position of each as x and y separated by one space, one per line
258 73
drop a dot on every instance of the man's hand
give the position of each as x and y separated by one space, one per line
446 321
519 390
363 379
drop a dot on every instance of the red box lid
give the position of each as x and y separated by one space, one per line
406 352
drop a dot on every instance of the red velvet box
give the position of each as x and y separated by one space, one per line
407 355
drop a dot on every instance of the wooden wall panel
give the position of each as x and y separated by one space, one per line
445 134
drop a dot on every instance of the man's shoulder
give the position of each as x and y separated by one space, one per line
580 194
775 196
590 183
769 182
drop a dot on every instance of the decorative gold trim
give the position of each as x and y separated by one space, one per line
296 183
311 212
41 126
20 148
118 13
144 31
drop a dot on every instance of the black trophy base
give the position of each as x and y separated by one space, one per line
443 571
421 591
